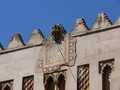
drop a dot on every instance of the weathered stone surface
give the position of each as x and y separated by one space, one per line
96 50
16 41
58 50
36 37
102 21
80 27
1 47
117 21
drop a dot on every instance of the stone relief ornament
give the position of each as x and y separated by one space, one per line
58 50
103 64
79 27
102 21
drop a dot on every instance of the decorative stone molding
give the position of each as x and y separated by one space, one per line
1 47
102 21
36 37
55 76
6 84
117 21
79 27
57 51
103 64
62 32
16 41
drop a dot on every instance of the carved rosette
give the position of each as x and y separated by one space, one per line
57 51
103 64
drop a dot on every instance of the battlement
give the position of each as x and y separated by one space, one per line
102 23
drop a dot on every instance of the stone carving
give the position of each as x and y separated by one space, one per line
6 85
55 76
36 37
1 47
117 21
59 49
103 64
80 27
102 21
16 41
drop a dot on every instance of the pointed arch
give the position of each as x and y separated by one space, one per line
61 82
50 85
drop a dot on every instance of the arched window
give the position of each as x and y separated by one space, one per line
105 68
50 84
106 78
7 87
61 84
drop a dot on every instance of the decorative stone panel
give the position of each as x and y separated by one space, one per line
57 51
28 83
6 85
103 64
83 77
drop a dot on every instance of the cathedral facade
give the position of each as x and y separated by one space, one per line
84 59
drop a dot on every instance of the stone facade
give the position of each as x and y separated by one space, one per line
84 59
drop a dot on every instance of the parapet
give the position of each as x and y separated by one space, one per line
101 23
80 28
36 37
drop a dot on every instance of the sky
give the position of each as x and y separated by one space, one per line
23 16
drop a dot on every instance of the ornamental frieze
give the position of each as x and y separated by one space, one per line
57 51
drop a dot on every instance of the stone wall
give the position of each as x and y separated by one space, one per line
100 43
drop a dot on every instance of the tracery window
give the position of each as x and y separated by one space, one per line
28 83
105 68
83 77
55 81
6 85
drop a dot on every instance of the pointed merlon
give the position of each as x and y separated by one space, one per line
102 21
36 37
1 47
117 21
79 27
16 41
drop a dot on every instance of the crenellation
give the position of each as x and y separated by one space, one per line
85 59
79 27
117 21
16 41
1 47
102 21
36 37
